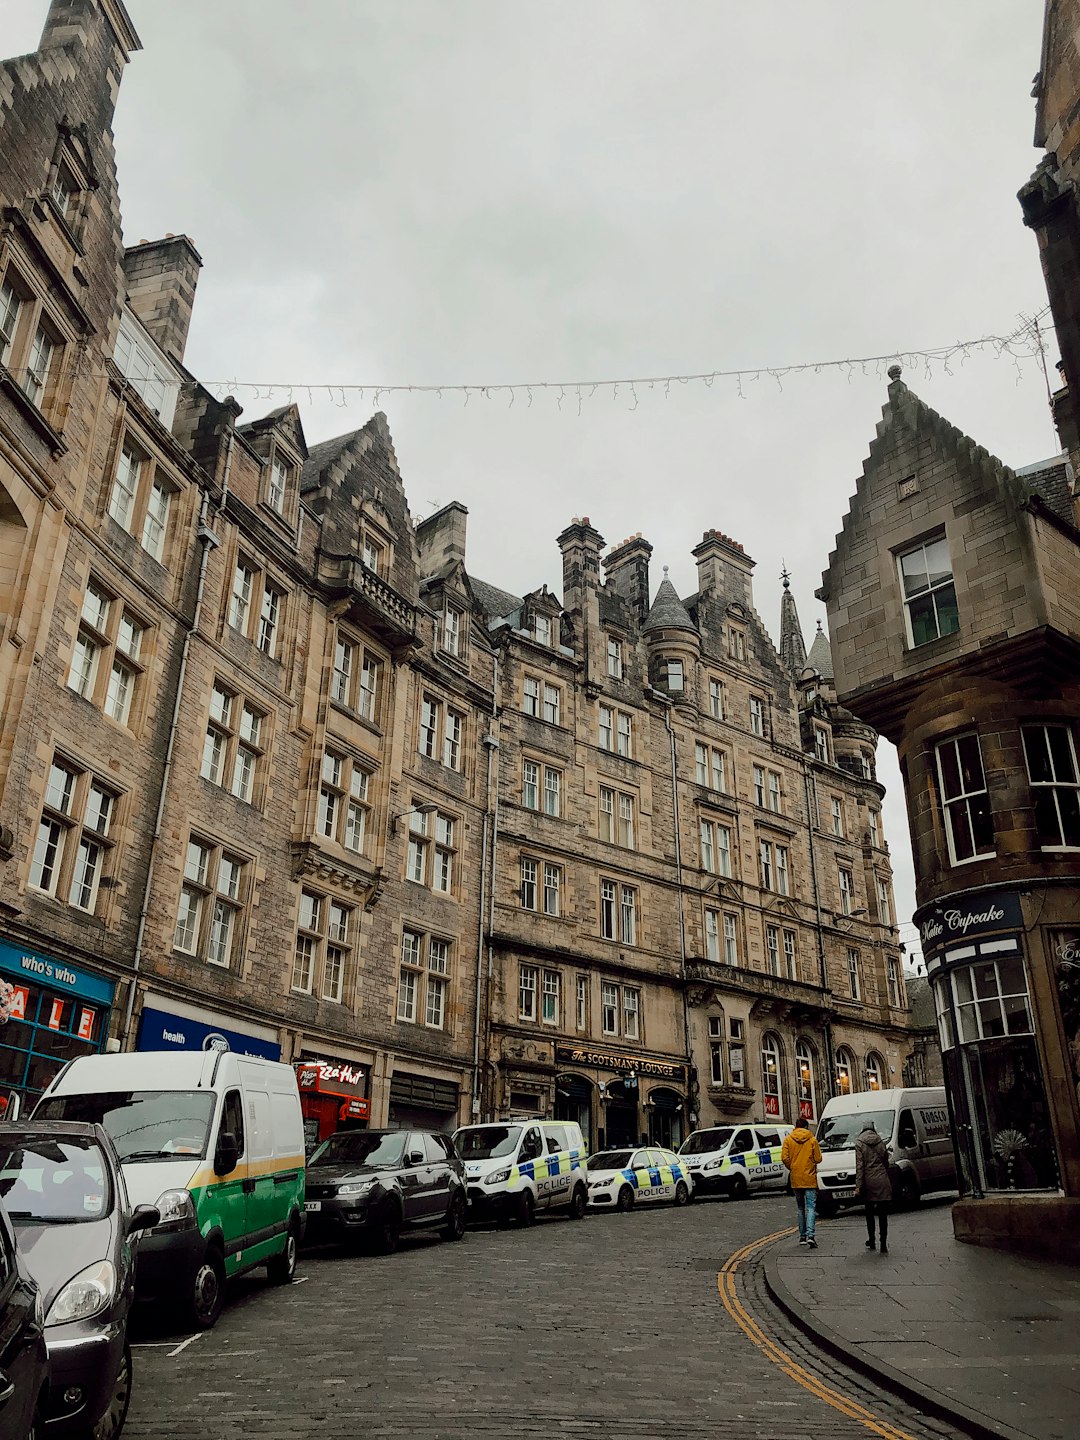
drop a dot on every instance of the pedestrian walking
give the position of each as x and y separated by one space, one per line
872 1183
801 1155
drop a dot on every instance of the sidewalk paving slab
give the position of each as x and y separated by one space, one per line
986 1340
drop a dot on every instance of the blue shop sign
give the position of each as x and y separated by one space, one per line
52 974
159 1030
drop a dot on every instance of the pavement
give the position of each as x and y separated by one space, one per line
989 1340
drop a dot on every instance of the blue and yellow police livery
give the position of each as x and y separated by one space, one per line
621 1179
736 1160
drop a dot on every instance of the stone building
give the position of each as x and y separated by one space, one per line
277 771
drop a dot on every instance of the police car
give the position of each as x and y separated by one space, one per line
621 1179
736 1160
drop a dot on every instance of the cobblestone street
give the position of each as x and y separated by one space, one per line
610 1327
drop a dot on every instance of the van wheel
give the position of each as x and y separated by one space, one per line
526 1209
280 1269
738 1189
578 1203
207 1292
112 1422
909 1191
682 1193
625 1200
454 1229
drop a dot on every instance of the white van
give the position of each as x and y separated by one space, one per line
736 1160
516 1167
915 1127
216 1142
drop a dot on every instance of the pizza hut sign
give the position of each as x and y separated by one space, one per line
331 1077
950 920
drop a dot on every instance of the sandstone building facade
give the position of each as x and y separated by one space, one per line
278 769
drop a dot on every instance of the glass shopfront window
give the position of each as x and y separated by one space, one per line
43 1032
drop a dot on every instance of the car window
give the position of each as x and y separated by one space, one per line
361 1147
554 1144
656 1159
744 1140
53 1179
435 1153
232 1118
532 1146
768 1138
906 1137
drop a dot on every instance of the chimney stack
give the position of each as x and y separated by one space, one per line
724 570
627 571
161 276
440 538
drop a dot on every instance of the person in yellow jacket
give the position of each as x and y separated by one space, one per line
801 1156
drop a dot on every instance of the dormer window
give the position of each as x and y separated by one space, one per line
736 643
614 658
371 554
64 193
453 639
542 629
277 485
147 368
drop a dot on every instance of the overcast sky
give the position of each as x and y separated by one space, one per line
452 191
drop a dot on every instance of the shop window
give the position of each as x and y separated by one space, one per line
1051 764
770 1077
74 844
234 750
991 1000
431 857
344 802
213 896
845 1071
969 825
355 683
440 732
875 1072
926 579
804 1073
107 658
424 980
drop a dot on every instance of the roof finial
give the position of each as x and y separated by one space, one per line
895 371
819 627
665 572
785 573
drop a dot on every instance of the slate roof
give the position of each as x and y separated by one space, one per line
322 455
1051 482
820 657
668 611
492 600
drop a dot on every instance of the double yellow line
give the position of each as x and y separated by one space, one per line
725 1283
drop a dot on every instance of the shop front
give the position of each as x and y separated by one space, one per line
623 1114
333 1096
978 971
424 1102
50 1012
167 1024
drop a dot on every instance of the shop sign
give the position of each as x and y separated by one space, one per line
806 1109
951 920
331 1077
772 1105
612 1060
52 974
354 1110
59 1014
160 1030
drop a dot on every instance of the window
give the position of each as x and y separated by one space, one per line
156 520
542 700
759 786
323 946
424 980
616 817
775 793
125 486
541 886
609 1008
552 698
614 658
737 1059
530 784
716 699
716 1050
267 637
1051 763
552 888
875 1070
432 850
892 975
452 638
847 890
616 1001
710 767
235 744
73 843
552 791
774 867
731 940
991 999
929 593
550 987
343 801
969 826
531 696
277 485
106 661
845 1071
213 893
804 1076
10 306
582 1016
715 847
143 364
874 819
372 553
736 643
38 364
884 902
837 816
63 193
854 980
631 999
772 950
618 912
528 983
821 744
791 964
757 715
770 1077
529 870
356 679
542 629
675 675
712 935
256 606
616 731
440 733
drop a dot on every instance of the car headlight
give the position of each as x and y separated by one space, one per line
84 1294
713 1164
177 1211
356 1187
498 1177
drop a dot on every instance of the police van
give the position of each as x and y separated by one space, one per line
516 1167
736 1160
915 1126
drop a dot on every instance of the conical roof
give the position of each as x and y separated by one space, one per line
668 612
820 657
792 645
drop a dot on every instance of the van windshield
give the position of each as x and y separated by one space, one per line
839 1132
143 1124
487 1142
702 1141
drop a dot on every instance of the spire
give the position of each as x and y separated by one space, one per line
820 657
792 647
668 611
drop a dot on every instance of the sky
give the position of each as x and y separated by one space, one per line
417 192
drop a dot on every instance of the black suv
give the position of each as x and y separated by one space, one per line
371 1184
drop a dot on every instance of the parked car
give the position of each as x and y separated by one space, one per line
24 1358
216 1142
372 1184
621 1179
64 1191
737 1160
915 1127
516 1167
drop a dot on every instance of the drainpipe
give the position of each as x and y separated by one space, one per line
811 807
679 891
208 541
491 744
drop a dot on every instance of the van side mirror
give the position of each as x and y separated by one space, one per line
226 1154
13 1105
143 1217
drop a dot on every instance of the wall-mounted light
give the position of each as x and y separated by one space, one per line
427 808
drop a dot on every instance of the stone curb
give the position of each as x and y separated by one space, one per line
931 1400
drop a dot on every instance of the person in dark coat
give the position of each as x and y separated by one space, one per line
872 1183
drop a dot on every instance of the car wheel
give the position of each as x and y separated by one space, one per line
112 1421
682 1193
207 1292
454 1229
624 1201
909 1191
526 1209
739 1188
578 1203
280 1269
388 1231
